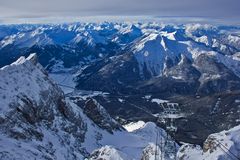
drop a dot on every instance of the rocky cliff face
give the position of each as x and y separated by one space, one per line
218 146
99 116
35 120
151 151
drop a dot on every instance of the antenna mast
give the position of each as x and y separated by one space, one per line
171 112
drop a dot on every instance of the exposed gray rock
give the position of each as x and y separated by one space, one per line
99 116
36 115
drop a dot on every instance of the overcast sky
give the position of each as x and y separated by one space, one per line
32 9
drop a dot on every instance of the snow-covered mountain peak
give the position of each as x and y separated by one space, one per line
151 41
108 153
150 53
153 51
32 58
169 35
25 77
131 29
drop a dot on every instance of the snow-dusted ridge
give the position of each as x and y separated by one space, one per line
25 76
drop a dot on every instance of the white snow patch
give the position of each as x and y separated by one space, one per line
237 100
147 97
120 100
130 127
159 101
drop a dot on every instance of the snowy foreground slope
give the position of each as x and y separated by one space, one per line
38 122
219 146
